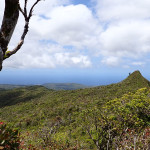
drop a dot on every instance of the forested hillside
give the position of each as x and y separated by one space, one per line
64 86
104 117
53 86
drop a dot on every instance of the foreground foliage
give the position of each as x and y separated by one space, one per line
120 123
9 138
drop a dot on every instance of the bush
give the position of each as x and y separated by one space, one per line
120 123
9 138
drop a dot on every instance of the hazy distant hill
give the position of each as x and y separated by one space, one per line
135 80
54 86
64 86
9 86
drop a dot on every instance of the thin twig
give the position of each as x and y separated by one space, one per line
25 6
31 10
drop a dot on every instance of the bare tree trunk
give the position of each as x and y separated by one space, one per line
1 58
9 22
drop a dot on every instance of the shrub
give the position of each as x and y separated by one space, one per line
9 138
122 122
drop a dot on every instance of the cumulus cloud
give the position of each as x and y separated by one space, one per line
139 63
63 25
127 39
45 6
46 56
111 61
68 59
126 27
114 10
68 25
68 35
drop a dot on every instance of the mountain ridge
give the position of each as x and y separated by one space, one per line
53 86
64 86
34 108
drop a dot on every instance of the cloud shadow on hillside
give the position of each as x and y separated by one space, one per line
9 98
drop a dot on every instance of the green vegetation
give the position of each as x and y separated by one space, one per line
9 139
54 86
104 117
64 86
9 86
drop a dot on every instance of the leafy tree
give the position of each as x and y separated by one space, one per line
10 19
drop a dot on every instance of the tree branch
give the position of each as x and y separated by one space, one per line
27 18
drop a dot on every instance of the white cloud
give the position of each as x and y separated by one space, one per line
65 25
127 39
139 63
126 27
111 61
46 56
112 10
119 30
68 25
68 59
44 7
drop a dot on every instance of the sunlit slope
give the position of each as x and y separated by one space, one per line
64 86
9 86
136 80
38 102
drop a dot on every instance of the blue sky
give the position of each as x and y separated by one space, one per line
91 42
